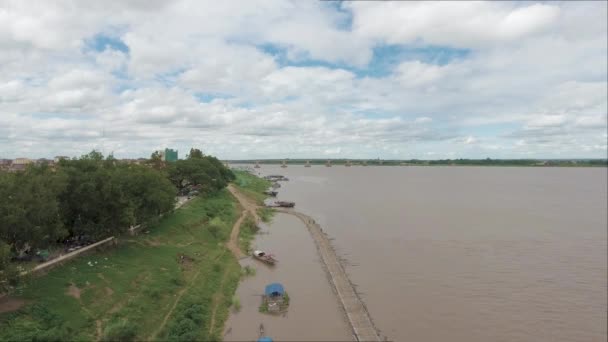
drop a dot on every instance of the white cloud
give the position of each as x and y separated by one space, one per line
532 80
451 23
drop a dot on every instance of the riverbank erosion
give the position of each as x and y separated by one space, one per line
173 282
354 308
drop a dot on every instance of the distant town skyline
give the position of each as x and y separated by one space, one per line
305 79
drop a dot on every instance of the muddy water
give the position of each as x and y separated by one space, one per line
314 313
462 253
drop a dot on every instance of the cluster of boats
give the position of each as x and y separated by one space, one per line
272 192
275 299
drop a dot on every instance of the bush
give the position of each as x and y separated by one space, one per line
120 331
236 303
247 271
215 227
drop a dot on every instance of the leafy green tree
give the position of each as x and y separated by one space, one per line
156 161
104 198
29 208
195 153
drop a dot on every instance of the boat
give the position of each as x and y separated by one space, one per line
265 257
275 299
271 193
285 204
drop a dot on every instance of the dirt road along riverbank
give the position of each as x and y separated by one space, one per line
248 207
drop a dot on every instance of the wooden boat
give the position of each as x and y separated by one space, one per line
271 193
285 204
275 299
265 257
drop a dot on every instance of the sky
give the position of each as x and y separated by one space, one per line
304 79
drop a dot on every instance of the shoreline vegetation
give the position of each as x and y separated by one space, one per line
176 281
438 162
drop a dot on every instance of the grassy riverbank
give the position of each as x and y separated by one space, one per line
174 283
251 185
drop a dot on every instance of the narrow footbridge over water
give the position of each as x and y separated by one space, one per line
356 312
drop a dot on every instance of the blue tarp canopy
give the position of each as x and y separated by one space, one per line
274 289
264 339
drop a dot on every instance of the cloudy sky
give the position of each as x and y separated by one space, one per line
274 79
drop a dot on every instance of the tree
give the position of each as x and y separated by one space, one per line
9 274
208 172
156 160
29 208
104 198
195 153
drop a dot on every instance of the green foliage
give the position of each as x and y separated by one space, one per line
266 214
206 171
247 233
252 185
120 331
93 197
36 323
236 303
9 273
195 153
247 271
215 226
145 278
286 299
104 197
30 208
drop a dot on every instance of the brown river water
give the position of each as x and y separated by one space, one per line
441 253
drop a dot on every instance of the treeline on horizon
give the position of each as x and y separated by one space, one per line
94 197
460 161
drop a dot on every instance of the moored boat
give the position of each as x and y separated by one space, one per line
265 257
271 193
285 204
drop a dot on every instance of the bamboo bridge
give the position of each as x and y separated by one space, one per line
356 312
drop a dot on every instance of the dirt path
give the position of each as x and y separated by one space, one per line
10 304
216 298
177 299
248 207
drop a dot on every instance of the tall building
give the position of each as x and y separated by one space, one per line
168 155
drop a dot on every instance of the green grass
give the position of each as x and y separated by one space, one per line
247 234
247 271
236 303
266 214
130 288
251 185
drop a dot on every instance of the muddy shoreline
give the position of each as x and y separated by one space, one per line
315 312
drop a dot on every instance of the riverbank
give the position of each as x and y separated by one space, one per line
174 282
241 325
314 312
354 308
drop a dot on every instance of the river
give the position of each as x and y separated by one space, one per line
458 253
